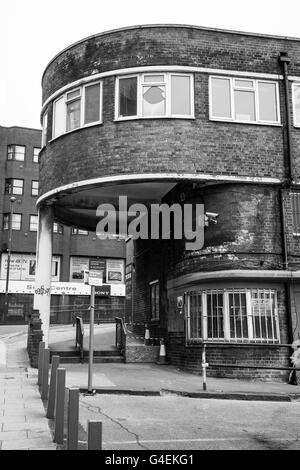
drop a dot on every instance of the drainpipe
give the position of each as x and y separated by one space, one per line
284 60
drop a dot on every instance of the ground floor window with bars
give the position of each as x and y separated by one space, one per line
239 315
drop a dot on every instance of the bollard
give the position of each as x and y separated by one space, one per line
45 374
94 435
52 389
60 406
40 362
73 419
204 366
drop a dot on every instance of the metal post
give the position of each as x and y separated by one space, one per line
91 341
40 362
52 389
94 435
60 406
204 365
45 380
11 214
73 419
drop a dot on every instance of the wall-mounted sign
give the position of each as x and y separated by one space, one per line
63 288
115 271
103 291
22 267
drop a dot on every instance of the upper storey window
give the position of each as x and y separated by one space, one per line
16 152
77 108
244 100
296 104
154 95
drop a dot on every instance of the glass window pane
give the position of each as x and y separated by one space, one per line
92 104
36 152
16 221
220 95
244 83
244 105
215 328
154 78
73 94
154 100
128 96
297 104
59 117
180 95
73 115
44 131
267 102
19 153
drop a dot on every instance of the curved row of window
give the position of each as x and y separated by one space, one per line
170 95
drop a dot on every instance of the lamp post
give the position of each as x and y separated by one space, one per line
12 200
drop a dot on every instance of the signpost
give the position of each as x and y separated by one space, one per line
95 278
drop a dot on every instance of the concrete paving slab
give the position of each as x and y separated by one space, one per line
9 435
32 444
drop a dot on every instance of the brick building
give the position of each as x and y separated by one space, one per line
184 114
72 247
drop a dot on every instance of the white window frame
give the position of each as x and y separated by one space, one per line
254 89
44 128
34 188
294 86
167 82
226 317
81 97
31 224
36 160
295 195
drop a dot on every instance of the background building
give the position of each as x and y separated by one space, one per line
189 115
72 247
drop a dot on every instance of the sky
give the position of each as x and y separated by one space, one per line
32 32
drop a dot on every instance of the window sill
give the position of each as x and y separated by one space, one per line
221 344
139 118
251 123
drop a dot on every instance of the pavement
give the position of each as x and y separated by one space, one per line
23 425
152 379
23 422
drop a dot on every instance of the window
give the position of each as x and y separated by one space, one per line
14 186
233 315
44 130
16 152
244 100
76 231
58 228
36 152
33 223
16 221
34 188
296 212
154 300
77 108
154 95
296 104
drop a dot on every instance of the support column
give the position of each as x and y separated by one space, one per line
42 292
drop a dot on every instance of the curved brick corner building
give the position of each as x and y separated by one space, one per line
169 113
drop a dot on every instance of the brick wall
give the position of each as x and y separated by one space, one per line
167 145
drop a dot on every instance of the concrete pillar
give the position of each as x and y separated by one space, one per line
42 293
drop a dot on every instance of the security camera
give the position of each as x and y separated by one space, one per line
211 217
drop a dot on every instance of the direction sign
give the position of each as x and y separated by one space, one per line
95 278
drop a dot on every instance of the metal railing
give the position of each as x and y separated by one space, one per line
120 335
79 336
